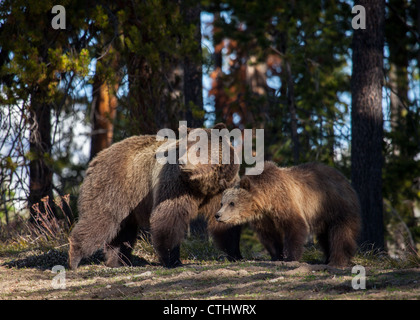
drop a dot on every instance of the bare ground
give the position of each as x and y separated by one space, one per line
28 275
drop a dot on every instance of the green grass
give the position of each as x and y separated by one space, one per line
375 258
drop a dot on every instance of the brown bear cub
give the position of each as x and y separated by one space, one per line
284 205
127 188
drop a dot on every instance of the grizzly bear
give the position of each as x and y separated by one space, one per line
284 205
126 188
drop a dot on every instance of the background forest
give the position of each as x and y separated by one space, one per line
293 68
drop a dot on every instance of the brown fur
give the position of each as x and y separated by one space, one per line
126 188
285 204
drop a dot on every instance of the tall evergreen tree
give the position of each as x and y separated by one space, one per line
367 121
36 56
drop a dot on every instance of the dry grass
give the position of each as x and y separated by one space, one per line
33 249
42 231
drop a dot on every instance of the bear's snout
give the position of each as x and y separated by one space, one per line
218 215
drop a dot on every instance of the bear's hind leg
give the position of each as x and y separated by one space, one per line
323 241
118 251
88 236
343 245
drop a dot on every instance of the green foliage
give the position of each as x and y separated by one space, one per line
40 68
37 55
313 39
156 42
142 45
402 131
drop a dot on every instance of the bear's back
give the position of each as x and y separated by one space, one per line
119 176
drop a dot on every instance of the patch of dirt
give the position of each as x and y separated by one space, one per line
30 276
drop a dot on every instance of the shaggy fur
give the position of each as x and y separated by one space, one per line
126 188
285 204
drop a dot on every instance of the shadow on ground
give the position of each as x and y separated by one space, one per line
51 258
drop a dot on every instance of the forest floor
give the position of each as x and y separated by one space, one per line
27 274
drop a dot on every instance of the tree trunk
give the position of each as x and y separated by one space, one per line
288 86
104 111
40 165
104 99
395 34
221 100
145 108
367 121
292 109
193 86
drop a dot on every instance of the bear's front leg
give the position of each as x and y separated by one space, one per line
170 258
271 236
168 225
227 240
295 235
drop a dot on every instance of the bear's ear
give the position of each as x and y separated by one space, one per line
245 183
219 126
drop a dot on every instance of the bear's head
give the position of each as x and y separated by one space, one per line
237 204
202 166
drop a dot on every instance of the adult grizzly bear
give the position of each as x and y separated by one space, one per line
126 187
285 204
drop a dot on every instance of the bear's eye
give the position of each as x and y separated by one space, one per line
221 204
232 204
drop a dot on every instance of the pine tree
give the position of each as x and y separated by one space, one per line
367 121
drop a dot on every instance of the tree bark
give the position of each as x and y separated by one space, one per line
292 109
288 87
399 61
104 111
193 86
104 99
367 121
40 166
